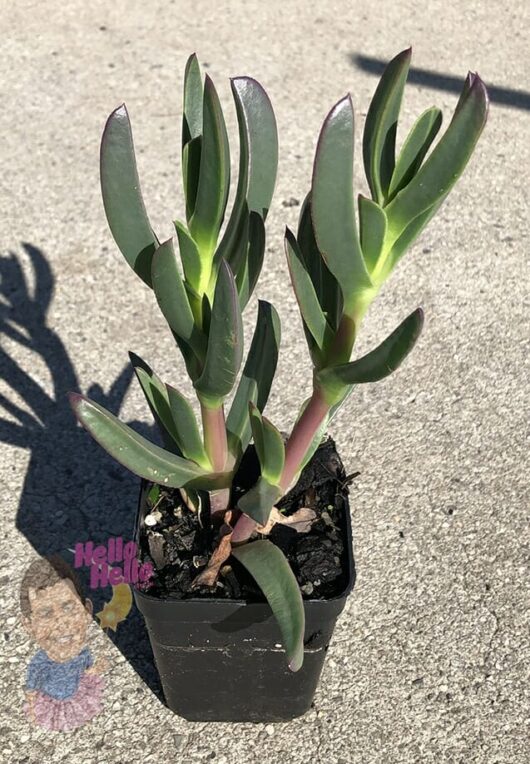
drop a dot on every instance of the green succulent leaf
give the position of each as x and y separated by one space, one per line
373 366
373 225
138 454
156 395
400 246
191 165
257 376
326 285
153 495
332 205
190 256
259 144
248 273
214 175
193 98
243 243
268 566
173 300
466 87
122 197
187 431
269 445
192 119
444 165
379 138
225 342
259 500
235 250
414 149
308 302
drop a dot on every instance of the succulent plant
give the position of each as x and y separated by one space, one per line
338 259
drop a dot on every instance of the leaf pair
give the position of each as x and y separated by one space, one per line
205 165
138 454
335 381
407 190
256 378
173 414
243 242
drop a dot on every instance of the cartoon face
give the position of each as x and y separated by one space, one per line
59 620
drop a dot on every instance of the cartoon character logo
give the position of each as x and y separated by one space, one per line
64 686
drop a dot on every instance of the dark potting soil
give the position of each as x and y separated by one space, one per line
179 547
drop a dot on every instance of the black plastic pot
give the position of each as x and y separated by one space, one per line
221 660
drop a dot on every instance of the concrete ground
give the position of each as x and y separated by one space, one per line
429 662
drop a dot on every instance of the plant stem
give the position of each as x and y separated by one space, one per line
343 342
243 529
296 448
215 442
302 435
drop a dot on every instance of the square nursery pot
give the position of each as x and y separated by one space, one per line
222 660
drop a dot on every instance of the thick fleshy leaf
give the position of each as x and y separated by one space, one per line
258 162
214 174
235 249
269 445
306 295
326 285
373 225
468 82
268 566
122 197
259 134
411 232
258 502
193 97
415 148
187 431
189 255
156 395
379 138
332 206
138 454
256 379
191 132
173 299
444 165
191 165
377 364
225 342
248 273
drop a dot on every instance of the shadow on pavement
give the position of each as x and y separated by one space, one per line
517 99
73 492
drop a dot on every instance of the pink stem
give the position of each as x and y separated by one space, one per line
215 442
302 436
243 529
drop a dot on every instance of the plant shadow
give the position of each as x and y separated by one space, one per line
73 492
516 99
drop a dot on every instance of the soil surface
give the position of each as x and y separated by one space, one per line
178 546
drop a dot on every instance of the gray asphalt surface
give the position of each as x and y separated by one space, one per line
430 659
